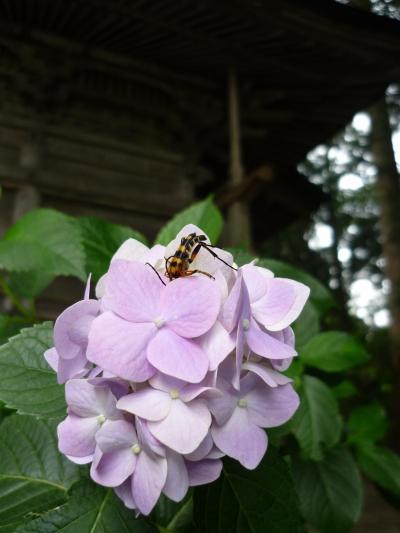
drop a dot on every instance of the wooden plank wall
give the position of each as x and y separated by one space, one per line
85 173
82 173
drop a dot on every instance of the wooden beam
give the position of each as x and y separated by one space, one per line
238 220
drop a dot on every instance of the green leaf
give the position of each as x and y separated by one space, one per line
4 412
330 491
381 465
258 501
307 325
10 326
27 383
101 239
345 389
90 509
240 256
44 240
333 351
34 476
316 424
276 434
168 512
174 517
295 370
320 296
29 284
367 423
204 214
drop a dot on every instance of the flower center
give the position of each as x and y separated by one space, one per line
101 419
242 402
246 324
174 393
136 449
159 322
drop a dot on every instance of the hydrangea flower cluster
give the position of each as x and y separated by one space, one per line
163 378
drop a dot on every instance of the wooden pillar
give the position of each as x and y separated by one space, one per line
238 221
30 161
26 199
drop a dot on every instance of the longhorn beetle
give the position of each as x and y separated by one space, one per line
178 265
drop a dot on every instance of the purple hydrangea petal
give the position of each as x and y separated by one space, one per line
101 289
177 357
230 312
68 338
256 280
194 390
282 303
120 347
112 469
271 377
177 482
86 294
206 262
242 330
131 250
85 399
52 358
217 344
222 278
76 436
133 291
223 407
282 364
215 453
79 331
265 345
147 440
77 367
239 355
247 384
226 373
166 383
288 338
115 435
148 481
190 305
155 256
241 439
81 460
203 472
124 491
271 407
185 426
150 404
202 450
117 386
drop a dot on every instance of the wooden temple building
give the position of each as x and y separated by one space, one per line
120 108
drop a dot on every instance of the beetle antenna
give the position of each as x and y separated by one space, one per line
207 247
159 277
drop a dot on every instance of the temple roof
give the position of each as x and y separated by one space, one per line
304 68
308 65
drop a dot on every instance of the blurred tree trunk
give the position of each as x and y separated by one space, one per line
388 194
